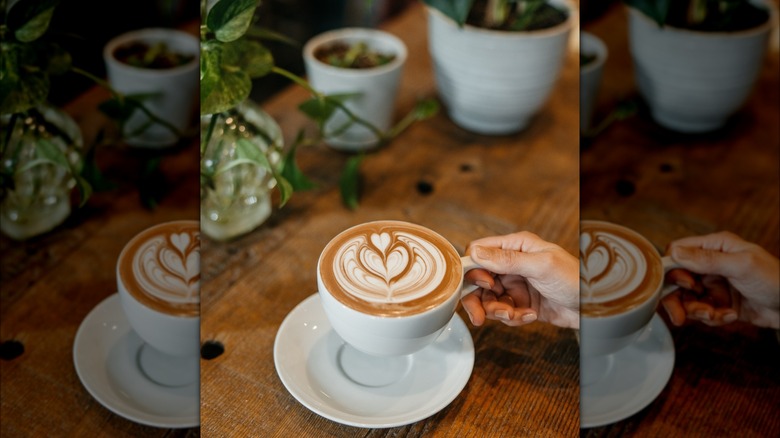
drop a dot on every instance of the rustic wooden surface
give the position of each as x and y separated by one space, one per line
525 380
666 186
51 282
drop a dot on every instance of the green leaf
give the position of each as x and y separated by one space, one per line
292 173
349 183
655 9
230 19
29 19
457 10
248 152
220 89
21 87
248 56
321 108
318 109
425 109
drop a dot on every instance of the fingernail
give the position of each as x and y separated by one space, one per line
730 317
503 315
480 252
701 314
471 318
483 284
528 317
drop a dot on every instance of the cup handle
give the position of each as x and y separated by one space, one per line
668 264
468 264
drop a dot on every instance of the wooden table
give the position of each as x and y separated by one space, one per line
51 282
666 186
465 186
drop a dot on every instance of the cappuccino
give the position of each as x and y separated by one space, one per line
160 268
619 269
390 268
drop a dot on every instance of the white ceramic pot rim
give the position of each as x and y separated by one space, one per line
356 33
571 10
745 33
601 53
152 34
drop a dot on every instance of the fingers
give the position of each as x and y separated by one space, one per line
481 278
704 261
674 308
472 303
484 304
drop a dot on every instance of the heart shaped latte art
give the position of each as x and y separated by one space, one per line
168 267
388 267
610 267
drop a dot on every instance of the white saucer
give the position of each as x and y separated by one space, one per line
105 355
307 354
634 378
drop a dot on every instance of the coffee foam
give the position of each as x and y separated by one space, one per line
390 268
160 267
619 269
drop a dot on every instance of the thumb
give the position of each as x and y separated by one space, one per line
502 261
704 261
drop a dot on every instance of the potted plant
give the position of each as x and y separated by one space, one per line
496 61
695 61
362 62
42 151
160 67
239 171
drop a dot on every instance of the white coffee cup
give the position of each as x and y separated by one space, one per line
614 320
158 278
424 299
174 90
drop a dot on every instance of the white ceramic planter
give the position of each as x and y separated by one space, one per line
377 87
590 76
694 81
176 88
493 82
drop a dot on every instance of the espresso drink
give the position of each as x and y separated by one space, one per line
619 269
160 268
390 268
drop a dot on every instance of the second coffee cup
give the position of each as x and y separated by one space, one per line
390 288
621 283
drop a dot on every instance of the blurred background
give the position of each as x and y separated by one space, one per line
85 33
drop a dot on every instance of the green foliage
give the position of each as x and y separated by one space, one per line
700 14
513 15
457 10
232 56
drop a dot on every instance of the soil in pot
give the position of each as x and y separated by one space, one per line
156 56
357 55
740 16
544 17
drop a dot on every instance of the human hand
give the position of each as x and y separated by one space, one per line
525 279
725 278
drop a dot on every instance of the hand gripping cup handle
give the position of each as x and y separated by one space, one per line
468 265
668 265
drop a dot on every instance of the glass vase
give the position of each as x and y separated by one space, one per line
40 151
236 193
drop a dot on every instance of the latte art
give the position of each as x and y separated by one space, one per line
619 269
161 267
390 268
387 267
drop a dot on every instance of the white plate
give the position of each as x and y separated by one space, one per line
634 376
308 355
105 356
